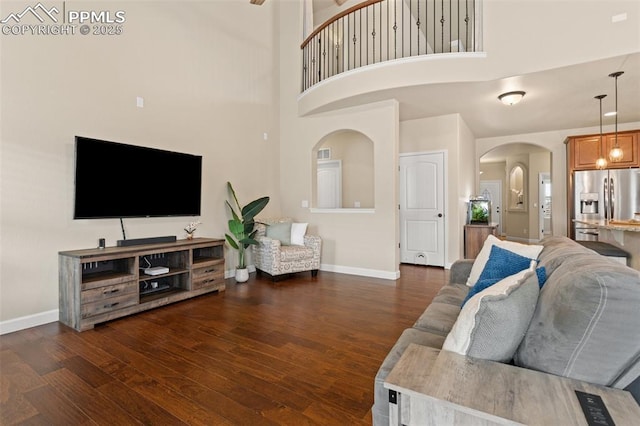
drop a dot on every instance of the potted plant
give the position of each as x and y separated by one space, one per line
242 229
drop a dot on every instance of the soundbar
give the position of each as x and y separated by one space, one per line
150 240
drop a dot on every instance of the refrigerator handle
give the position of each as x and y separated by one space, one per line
612 198
606 198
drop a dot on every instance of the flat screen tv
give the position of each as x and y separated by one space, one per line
116 180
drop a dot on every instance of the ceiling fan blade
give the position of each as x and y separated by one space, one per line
257 2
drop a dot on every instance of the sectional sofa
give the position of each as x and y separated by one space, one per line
572 313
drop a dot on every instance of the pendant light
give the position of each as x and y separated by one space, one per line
616 153
601 162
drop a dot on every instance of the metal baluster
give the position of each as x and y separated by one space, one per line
354 41
418 26
435 38
318 58
410 26
395 29
442 24
373 34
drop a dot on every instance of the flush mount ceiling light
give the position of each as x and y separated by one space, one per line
511 98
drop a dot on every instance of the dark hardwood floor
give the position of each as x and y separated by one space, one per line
302 351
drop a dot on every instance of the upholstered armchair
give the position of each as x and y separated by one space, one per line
284 248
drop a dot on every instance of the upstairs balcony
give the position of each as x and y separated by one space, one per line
377 31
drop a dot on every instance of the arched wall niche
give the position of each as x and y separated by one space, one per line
343 171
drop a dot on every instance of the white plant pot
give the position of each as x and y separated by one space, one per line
242 275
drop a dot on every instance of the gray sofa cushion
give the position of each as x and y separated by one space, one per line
460 270
438 318
452 294
381 395
586 325
556 250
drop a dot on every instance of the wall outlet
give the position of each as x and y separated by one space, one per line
524 231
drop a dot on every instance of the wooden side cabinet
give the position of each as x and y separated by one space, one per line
98 285
474 236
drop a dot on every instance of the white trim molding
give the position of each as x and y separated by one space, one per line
17 324
342 210
363 272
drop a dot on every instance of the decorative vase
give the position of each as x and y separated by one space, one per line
242 275
189 236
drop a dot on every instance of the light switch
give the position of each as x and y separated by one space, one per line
618 18
305 204
140 102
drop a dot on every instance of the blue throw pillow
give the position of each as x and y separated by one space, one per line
503 263
541 272
478 287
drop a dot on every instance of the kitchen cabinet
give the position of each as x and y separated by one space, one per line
583 151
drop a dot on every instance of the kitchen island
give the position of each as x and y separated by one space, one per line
622 234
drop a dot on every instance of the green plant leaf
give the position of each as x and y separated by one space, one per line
231 241
249 241
233 212
234 195
252 209
237 228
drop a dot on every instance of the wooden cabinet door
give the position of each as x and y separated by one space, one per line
586 151
628 142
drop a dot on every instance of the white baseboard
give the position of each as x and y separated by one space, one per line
29 321
364 272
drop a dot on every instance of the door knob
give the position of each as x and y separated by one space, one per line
439 214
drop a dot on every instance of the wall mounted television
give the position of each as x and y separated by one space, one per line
116 180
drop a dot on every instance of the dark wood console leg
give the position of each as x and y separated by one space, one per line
314 272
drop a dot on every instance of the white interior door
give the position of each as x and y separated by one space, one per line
422 209
492 190
329 183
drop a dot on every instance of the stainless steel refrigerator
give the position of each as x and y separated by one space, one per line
601 195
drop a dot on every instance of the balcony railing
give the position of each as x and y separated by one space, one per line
382 30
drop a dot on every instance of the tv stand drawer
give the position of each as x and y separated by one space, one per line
107 292
108 305
201 280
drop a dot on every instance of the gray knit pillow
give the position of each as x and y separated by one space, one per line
492 323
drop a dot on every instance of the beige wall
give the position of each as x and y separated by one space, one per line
450 134
209 88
